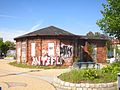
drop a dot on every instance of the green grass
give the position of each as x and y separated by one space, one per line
105 75
36 67
77 76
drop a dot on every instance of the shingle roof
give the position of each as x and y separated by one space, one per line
49 31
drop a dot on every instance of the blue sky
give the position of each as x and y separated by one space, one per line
18 17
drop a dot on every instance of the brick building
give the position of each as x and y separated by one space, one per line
54 46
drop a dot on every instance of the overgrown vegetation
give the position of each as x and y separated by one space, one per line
36 67
90 49
104 75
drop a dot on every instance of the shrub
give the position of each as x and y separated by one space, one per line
113 68
90 74
116 70
115 64
107 69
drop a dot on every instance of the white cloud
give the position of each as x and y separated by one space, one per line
8 16
35 27
10 35
6 34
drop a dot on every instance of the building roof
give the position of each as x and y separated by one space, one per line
55 32
48 31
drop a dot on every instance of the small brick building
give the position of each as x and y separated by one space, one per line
54 46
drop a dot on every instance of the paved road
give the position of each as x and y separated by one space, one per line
14 78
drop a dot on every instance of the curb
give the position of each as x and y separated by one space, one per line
84 86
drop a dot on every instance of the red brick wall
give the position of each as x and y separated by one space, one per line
18 45
65 49
41 47
45 45
101 53
37 49
23 48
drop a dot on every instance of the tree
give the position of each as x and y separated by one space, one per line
96 35
90 35
3 48
110 23
1 44
10 45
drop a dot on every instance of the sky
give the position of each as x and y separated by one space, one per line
18 17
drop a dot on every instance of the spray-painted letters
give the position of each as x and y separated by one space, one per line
63 53
46 61
66 51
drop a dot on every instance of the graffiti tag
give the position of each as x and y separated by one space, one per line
66 51
46 61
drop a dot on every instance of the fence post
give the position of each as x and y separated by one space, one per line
118 81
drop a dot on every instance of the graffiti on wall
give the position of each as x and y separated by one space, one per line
63 54
46 61
48 56
66 51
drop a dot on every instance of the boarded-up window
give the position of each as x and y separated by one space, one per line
18 51
51 49
18 54
24 52
32 49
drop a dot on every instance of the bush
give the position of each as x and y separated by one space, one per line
90 74
113 68
107 69
115 64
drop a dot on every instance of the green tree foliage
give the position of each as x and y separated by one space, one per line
1 44
10 45
90 49
110 23
96 35
4 47
90 35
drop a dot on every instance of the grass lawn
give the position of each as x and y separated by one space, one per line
36 67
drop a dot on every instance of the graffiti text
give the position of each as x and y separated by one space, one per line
46 61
